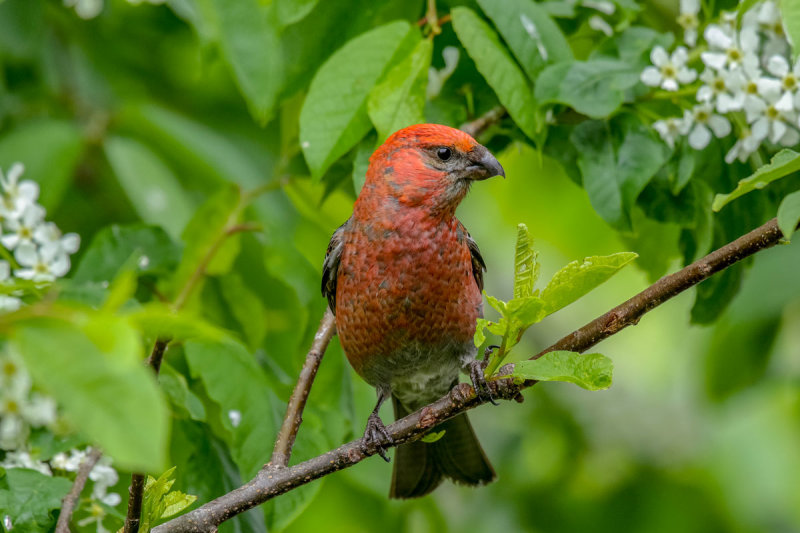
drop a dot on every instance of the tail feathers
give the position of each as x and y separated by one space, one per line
419 467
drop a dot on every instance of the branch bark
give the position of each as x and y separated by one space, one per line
70 501
297 402
269 483
480 124
136 490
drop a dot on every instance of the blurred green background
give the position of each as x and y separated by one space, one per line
142 112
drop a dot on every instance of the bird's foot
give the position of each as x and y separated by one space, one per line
478 378
376 436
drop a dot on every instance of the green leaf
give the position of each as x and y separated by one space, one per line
180 396
334 116
361 161
781 165
790 14
594 88
533 37
149 184
50 151
615 171
205 237
499 305
432 436
577 279
291 11
235 382
590 371
498 68
525 311
159 503
789 214
110 397
480 335
29 498
399 99
147 248
526 267
246 308
175 502
249 42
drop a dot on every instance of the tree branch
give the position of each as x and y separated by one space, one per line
70 501
480 124
136 490
297 402
269 483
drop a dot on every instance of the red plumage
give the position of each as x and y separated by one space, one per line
404 279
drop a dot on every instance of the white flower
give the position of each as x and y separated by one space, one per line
68 463
96 516
16 195
39 410
722 87
749 141
789 77
730 49
773 114
7 303
41 264
22 229
704 122
767 18
24 460
669 71
689 21
48 234
104 476
672 128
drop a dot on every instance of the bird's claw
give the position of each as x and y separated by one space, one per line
375 436
476 375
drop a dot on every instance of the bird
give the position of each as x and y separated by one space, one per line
404 280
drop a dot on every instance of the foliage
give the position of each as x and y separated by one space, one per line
530 306
159 502
205 150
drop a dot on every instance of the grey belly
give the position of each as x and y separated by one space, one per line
419 374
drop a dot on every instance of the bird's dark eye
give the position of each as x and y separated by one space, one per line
444 153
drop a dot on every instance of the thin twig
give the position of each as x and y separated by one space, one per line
70 501
135 495
136 490
480 124
297 402
269 483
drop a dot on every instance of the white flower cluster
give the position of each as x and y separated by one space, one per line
40 252
21 408
89 9
747 79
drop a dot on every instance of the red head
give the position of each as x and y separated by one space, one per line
429 166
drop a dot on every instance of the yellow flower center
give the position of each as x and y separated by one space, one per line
773 113
789 81
9 369
668 71
751 88
718 85
11 407
734 54
701 115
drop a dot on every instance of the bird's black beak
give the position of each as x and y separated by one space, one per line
483 165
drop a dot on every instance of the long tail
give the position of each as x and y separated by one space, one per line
419 467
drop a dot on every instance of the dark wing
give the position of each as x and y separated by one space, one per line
330 268
478 265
